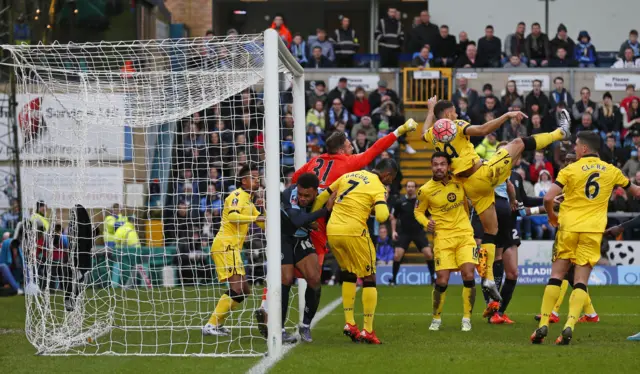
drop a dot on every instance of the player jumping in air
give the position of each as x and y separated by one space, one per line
480 178
454 248
587 185
348 234
328 167
410 231
238 213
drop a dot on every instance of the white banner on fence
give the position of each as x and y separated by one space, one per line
426 74
368 81
538 252
58 128
524 82
64 187
615 82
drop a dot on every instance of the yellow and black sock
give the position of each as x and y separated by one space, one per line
438 296
349 296
369 303
549 299
588 306
227 302
563 291
576 304
468 298
542 140
489 246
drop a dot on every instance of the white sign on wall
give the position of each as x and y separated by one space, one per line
615 82
368 81
58 128
524 82
63 187
426 74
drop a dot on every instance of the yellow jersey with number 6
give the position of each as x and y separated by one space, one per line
461 150
587 185
358 193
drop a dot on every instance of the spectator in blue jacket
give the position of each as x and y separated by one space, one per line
299 50
11 264
585 52
321 41
384 246
632 43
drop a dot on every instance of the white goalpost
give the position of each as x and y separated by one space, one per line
148 136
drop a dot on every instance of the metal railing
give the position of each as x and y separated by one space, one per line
419 84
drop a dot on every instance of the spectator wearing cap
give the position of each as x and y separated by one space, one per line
318 92
536 101
559 95
515 63
299 50
610 117
320 40
470 58
514 43
375 97
425 33
514 128
585 52
585 105
365 125
342 92
463 42
444 49
628 61
361 106
463 90
536 47
390 37
283 31
562 40
489 48
488 147
423 59
346 44
562 59
632 43
318 60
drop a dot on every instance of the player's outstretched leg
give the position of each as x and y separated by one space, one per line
348 302
369 303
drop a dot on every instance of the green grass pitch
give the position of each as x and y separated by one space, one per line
401 322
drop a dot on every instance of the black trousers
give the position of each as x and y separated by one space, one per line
389 57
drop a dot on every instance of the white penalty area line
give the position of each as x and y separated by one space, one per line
267 363
510 314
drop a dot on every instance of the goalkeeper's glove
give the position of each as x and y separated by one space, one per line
408 126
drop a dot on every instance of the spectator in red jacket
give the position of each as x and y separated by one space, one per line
283 31
631 94
539 164
361 106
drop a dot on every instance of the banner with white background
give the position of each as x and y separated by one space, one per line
615 82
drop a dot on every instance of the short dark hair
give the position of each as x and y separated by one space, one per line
387 164
317 47
441 106
607 94
492 97
335 142
611 137
489 27
585 88
590 139
630 85
361 131
308 180
633 32
537 80
411 181
246 170
209 32
556 78
521 23
444 27
441 154
535 24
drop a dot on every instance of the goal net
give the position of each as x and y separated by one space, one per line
128 152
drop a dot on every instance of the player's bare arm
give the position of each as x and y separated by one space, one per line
431 117
511 192
549 201
493 125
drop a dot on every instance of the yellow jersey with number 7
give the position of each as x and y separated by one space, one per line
463 154
587 185
358 193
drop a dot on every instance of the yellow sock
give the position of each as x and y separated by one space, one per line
369 302
468 299
588 307
490 248
563 291
438 295
546 138
576 304
224 306
348 301
551 294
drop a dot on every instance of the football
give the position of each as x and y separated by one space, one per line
444 130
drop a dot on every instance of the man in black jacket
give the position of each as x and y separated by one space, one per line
342 92
318 60
562 40
390 36
562 60
424 33
346 44
489 48
536 47
444 48
537 97
375 97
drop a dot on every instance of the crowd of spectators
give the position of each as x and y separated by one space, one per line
431 45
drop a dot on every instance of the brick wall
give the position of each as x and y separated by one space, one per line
196 14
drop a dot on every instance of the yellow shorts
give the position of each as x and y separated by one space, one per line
582 248
480 186
228 262
451 252
355 254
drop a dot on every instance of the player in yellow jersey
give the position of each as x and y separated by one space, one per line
587 186
454 247
348 235
238 213
481 177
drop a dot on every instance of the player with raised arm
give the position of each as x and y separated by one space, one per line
479 177
348 234
454 247
587 185
238 213
328 167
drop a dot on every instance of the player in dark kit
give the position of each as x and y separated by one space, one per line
410 231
